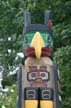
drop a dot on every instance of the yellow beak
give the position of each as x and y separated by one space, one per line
37 43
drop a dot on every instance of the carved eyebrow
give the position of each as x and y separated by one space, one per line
33 68
43 68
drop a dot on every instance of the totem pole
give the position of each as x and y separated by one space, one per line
38 77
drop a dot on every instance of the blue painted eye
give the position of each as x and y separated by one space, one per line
48 38
33 75
26 39
43 75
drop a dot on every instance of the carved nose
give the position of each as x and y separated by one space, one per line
37 43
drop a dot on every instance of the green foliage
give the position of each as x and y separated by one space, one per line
9 100
63 60
11 22
9 80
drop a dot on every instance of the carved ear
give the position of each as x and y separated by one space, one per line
27 18
48 16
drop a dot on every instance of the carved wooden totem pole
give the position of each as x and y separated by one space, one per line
38 77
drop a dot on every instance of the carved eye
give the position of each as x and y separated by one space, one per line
48 38
43 75
33 74
26 39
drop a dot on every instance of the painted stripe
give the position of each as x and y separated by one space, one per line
56 86
20 87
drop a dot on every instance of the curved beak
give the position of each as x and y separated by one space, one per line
37 43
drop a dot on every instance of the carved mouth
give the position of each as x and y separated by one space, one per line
30 52
38 83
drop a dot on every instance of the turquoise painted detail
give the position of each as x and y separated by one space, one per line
45 35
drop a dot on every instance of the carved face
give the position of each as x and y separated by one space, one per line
39 44
47 38
38 77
